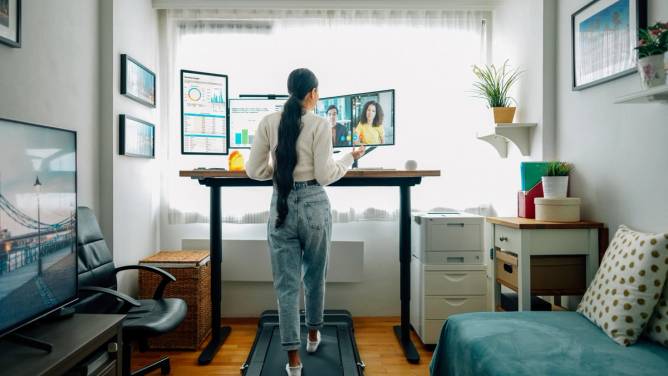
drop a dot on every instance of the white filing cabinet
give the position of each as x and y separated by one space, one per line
447 271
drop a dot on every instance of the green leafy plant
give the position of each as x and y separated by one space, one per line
653 40
493 84
558 169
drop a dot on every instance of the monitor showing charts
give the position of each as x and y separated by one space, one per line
245 115
204 121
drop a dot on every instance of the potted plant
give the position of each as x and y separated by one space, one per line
652 46
555 180
493 85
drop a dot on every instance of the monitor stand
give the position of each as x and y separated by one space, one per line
367 151
20 339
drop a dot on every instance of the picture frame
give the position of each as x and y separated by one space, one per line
137 81
136 137
10 23
604 34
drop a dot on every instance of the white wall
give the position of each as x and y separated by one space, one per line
52 79
619 151
523 34
131 186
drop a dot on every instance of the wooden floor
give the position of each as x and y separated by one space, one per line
377 344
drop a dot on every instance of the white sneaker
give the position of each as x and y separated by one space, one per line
312 347
293 371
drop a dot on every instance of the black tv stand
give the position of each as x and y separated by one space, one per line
82 345
367 151
20 339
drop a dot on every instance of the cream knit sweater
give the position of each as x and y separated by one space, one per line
314 151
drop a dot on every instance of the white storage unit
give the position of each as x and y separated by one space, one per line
447 271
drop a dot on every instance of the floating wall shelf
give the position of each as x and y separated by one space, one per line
517 133
659 93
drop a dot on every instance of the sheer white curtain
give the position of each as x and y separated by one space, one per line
426 56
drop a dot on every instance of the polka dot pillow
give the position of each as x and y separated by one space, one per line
657 328
627 285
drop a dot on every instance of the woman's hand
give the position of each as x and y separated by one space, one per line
358 152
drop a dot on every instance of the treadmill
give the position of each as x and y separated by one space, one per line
337 354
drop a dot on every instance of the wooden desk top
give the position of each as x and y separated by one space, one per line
527 223
354 173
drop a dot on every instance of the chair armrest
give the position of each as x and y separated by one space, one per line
128 301
166 277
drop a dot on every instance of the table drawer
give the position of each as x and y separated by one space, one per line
441 307
507 238
455 282
550 275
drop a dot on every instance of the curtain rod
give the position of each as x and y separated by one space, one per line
473 5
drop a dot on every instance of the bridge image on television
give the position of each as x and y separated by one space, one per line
38 262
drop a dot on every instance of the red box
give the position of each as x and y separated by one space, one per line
526 208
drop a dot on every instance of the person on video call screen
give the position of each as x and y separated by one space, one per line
339 131
369 130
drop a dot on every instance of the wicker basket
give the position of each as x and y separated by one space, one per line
193 284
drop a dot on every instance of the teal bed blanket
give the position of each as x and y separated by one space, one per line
538 343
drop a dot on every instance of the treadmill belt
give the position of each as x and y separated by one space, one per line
328 356
337 354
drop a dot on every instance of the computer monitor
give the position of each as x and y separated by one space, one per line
338 113
204 121
38 224
373 118
245 115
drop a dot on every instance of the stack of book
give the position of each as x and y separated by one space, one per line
532 187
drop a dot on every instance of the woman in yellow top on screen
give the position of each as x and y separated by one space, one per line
369 130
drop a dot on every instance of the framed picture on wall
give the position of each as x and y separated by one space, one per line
137 81
604 37
136 137
10 22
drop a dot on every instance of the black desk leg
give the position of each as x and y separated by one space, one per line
403 332
218 334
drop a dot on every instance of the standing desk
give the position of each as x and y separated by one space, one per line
404 179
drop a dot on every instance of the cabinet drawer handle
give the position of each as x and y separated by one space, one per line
454 277
503 239
455 302
456 224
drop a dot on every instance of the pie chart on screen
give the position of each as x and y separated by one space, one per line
194 94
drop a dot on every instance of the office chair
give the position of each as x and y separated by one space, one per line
97 294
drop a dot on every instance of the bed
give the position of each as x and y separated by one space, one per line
538 343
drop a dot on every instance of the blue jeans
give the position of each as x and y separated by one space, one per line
300 245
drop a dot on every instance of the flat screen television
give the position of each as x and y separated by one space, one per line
38 224
245 115
362 118
204 120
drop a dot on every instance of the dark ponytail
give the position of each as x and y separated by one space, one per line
300 83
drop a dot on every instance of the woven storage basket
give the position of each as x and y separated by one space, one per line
193 284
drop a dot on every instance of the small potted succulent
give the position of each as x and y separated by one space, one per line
652 47
493 85
555 181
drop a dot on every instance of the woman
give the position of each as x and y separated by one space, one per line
300 224
369 130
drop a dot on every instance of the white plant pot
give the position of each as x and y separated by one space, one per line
555 186
652 71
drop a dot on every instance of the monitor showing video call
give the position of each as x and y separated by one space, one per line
360 119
